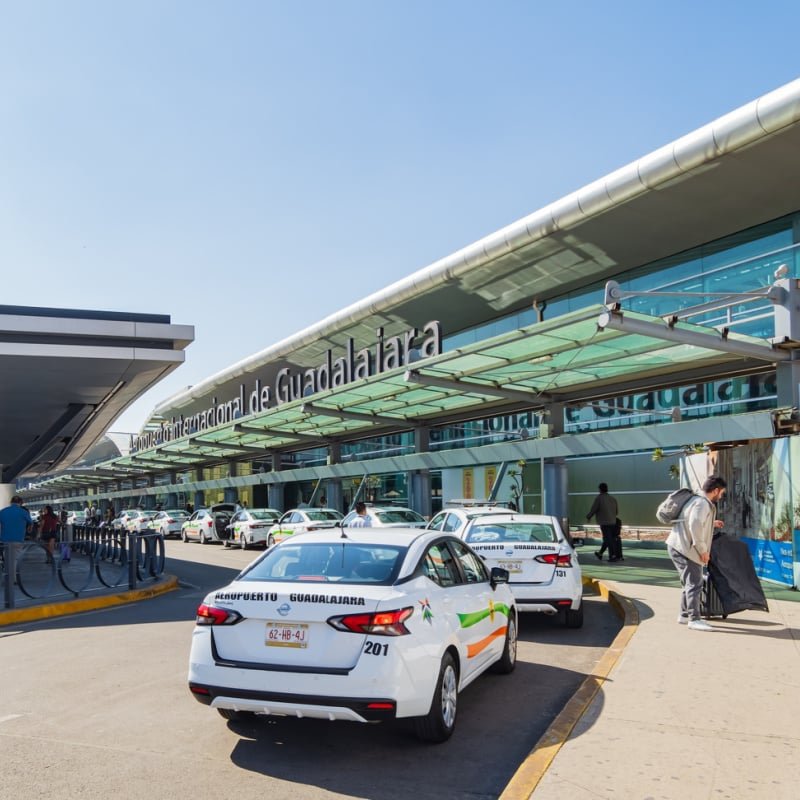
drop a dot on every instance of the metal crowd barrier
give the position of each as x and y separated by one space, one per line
86 558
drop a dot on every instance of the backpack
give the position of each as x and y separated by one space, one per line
670 508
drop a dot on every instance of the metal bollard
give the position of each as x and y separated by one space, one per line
10 556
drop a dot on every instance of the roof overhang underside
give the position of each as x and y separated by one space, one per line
579 357
67 375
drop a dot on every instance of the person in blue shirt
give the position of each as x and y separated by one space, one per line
15 521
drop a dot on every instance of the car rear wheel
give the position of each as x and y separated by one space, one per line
202 537
440 722
574 617
243 540
508 660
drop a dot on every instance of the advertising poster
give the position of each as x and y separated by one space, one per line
468 483
490 475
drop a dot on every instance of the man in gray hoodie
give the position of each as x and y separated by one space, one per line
689 547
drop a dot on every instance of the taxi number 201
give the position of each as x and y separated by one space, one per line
376 648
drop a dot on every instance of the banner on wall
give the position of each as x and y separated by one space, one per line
468 483
490 475
772 560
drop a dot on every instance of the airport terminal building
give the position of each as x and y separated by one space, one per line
640 331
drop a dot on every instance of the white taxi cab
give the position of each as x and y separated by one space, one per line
302 520
361 625
544 573
250 526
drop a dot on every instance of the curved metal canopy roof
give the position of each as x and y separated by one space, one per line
67 375
576 358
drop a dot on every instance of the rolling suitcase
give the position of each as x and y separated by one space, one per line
710 602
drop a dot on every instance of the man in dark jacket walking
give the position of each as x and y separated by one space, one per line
604 509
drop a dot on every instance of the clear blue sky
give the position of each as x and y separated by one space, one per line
251 167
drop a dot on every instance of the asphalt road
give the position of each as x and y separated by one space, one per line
96 706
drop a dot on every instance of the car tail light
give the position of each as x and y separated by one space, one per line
212 615
382 623
210 523
558 560
313 528
169 519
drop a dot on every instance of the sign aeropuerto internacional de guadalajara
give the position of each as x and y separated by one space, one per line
388 352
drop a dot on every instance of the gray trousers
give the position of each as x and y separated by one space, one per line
691 581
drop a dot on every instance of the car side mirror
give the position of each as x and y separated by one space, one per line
498 575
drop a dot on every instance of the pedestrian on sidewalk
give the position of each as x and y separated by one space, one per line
15 523
48 531
604 509
689 547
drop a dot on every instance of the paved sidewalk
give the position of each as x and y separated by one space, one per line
685 714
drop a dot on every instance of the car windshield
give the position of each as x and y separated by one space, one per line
338 562
399 515
512 532
323 516
261 515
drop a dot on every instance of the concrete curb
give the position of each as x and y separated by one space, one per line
81 604
525 780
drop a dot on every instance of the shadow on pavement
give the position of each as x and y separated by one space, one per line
477 762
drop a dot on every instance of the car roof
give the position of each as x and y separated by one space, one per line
469 503
389 508
393 536
510 516
472 511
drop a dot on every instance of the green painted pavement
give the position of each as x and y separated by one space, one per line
651 565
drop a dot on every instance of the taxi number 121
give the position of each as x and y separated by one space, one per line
376 648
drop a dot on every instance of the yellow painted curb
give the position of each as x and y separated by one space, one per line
527 777
81 604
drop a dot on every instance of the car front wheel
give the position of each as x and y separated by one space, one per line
270 541
440 722
184 536
243 541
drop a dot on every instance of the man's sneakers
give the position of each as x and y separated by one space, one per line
699 625
682 620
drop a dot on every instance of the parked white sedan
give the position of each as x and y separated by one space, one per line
544 573
138 521
388 517
169 522
360 625
251 526
301 520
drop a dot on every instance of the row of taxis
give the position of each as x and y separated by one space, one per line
380 623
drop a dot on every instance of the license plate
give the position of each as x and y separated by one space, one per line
511 566
284 634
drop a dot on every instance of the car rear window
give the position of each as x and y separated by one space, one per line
512 532
399 516
323 516
261 515
343 562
